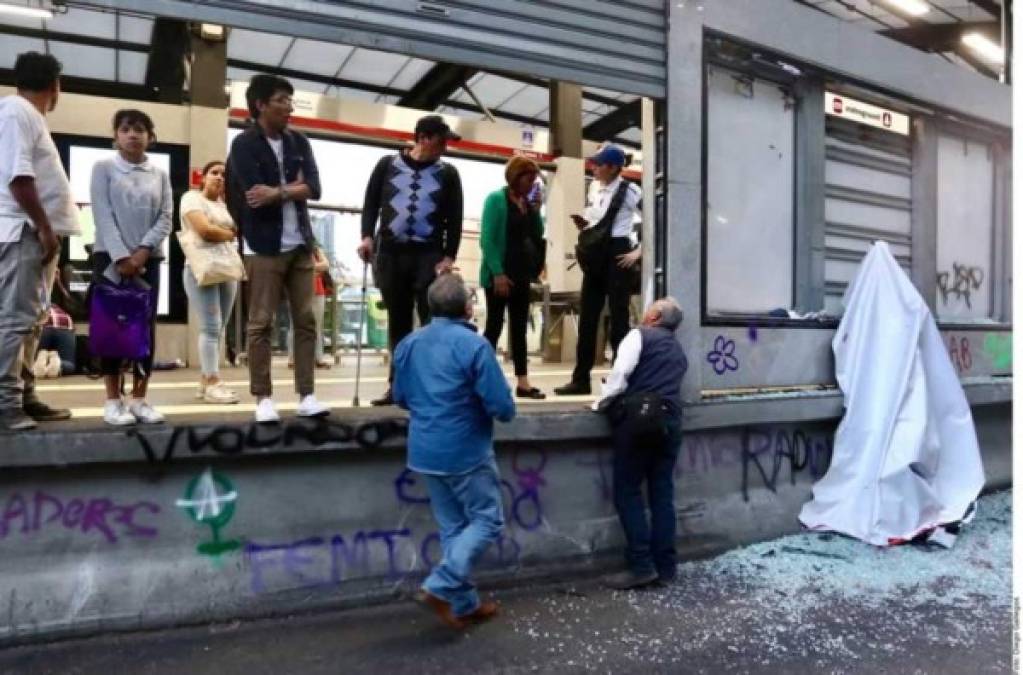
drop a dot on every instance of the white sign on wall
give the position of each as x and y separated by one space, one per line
865 113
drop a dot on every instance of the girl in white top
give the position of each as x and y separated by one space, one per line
204 212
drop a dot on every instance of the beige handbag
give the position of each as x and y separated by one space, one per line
211 262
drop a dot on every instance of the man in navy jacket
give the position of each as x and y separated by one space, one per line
271 174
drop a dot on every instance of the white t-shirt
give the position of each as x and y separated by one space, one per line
599 199
215 211
26 149
291 236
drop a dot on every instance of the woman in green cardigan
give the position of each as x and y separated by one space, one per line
511 236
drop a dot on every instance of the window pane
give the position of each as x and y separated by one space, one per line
965 229
750 183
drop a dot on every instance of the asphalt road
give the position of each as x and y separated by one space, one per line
807 603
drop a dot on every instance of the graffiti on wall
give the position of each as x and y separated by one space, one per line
209 500
105 517
960 354
771 451
236 440
764 454
328 560
723 357
960 283
998 347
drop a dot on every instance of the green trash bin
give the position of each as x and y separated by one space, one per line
376 335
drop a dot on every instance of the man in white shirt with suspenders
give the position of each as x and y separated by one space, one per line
611 196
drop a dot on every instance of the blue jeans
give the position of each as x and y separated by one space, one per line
213 305
649 547
469 517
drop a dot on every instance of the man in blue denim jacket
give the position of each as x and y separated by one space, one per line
449 380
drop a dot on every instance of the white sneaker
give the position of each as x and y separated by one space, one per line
116 414
144 412
200 391
266 413
218 393
310 407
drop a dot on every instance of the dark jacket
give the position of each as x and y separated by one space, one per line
414 201
252 162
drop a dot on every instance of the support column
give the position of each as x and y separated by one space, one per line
566 119
650 171
565 196
207 120
209 72
810 189
924 219
683 167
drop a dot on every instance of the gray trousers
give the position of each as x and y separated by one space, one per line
31 349
21 301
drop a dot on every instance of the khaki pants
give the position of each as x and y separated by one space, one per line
31 344
271 276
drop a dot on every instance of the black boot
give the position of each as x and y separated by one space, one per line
41 412
386 399
573 389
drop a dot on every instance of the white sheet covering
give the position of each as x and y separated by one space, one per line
906 457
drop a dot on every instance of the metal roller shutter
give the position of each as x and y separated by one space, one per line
612 44
868 175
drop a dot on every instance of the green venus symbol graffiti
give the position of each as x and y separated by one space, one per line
209 499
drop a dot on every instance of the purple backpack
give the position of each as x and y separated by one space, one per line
119 319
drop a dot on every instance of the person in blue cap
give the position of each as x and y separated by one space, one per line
612 203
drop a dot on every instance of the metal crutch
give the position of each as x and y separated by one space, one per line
358 336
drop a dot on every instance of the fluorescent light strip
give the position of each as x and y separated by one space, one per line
911 7
984 47
23 10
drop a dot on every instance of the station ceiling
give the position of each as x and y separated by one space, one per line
108 53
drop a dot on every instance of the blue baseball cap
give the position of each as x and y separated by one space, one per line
609 154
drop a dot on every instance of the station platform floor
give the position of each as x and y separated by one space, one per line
173 392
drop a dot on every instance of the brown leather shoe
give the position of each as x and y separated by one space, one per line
442 608
485 612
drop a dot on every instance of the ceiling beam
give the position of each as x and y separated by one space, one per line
74 38
436 86
615 122
92 87
375 89
989 6
948 37
966 55
328 80
940 37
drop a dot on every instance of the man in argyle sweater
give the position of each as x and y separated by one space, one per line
417 199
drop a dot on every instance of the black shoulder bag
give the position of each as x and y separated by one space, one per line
594 244
641 413
535 251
